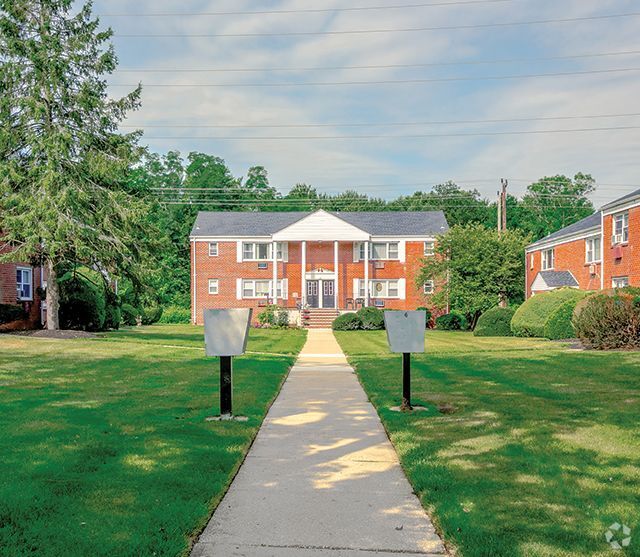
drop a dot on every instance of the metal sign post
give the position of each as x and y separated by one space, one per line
405 334
225 335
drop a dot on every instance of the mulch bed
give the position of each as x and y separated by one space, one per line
62 334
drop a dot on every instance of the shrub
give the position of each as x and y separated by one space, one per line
130 314
428 312
559 325
495 322
608 321
453 321
372 318
175 315
82 303
10 313
274 316
113 312
530 318
151 314
347 322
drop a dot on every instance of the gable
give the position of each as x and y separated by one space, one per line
321 225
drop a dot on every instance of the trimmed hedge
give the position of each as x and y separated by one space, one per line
372 318
347 322
531 317
82 304
559 325
151 314
453 321
495 322
10 313
175 315
130 314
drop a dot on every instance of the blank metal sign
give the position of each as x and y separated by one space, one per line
405 330
226 331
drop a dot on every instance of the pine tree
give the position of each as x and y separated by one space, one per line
64 194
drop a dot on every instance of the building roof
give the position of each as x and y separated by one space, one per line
558 279
623 199
592 221
381 223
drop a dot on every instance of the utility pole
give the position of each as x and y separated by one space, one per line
499 207
502 226
505 184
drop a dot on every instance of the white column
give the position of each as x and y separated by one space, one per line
274 286
336 288
303 274
366 273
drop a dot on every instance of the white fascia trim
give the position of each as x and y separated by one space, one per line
613 208
404 237
582 235
230 238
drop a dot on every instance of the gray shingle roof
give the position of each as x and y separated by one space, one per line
558 279
382 223
592 221
623 199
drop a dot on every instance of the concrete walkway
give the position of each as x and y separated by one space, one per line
322 477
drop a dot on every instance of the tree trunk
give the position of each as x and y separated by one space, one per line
504 301
53 298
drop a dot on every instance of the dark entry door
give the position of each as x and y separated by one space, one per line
328 294
312 294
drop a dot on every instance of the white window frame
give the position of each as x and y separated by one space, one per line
282 249
620 227
616 282
21 283
428 287
213 249
249 285
545 264
429 248
592 250
214 287
387 250
384 293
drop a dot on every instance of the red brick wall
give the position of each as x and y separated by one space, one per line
629 264
226 269
8 294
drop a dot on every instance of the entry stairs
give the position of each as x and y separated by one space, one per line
316 318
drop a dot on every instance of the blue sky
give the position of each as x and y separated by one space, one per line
380 166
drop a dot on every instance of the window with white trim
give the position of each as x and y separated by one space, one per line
620 228
213 286
429 248
252 289
531 261
380 289
429 287
261 251
24 283
548 259
619 282
380 251
592 249
213 249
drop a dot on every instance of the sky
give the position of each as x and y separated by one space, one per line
444 79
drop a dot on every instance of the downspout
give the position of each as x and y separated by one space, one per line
602 250
194 297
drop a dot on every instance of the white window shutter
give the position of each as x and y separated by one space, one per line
356 288
285 289
356 252
239 289
402 288
285 252
402 251
239 252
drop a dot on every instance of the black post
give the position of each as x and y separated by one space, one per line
225 385
406 381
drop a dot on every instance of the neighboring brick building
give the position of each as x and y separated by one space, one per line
599 252
318 260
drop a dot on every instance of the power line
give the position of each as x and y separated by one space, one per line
380 81
379 31
405 136
308 10
381 66
385 124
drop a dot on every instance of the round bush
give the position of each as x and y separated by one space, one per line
274 316
82 304
453 321
495 322
151 314
530 318
113 312
176 315
608 321
559 325
347 322
428 312
372 318
130 314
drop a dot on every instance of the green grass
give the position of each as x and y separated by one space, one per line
542 453
105 448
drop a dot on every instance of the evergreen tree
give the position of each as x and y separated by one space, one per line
64 193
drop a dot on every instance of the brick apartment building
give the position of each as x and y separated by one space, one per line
320 261
599 252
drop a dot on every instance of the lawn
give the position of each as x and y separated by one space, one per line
541 454
105 448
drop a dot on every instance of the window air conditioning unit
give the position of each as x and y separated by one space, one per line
592 269
616 239
378 265
262 266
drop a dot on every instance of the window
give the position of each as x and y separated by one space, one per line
259 288
213 286
380 289
428 287
620 228
548 257
261 251
380 250
531 261
213 249
429 248
620 282
24 283
592 247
